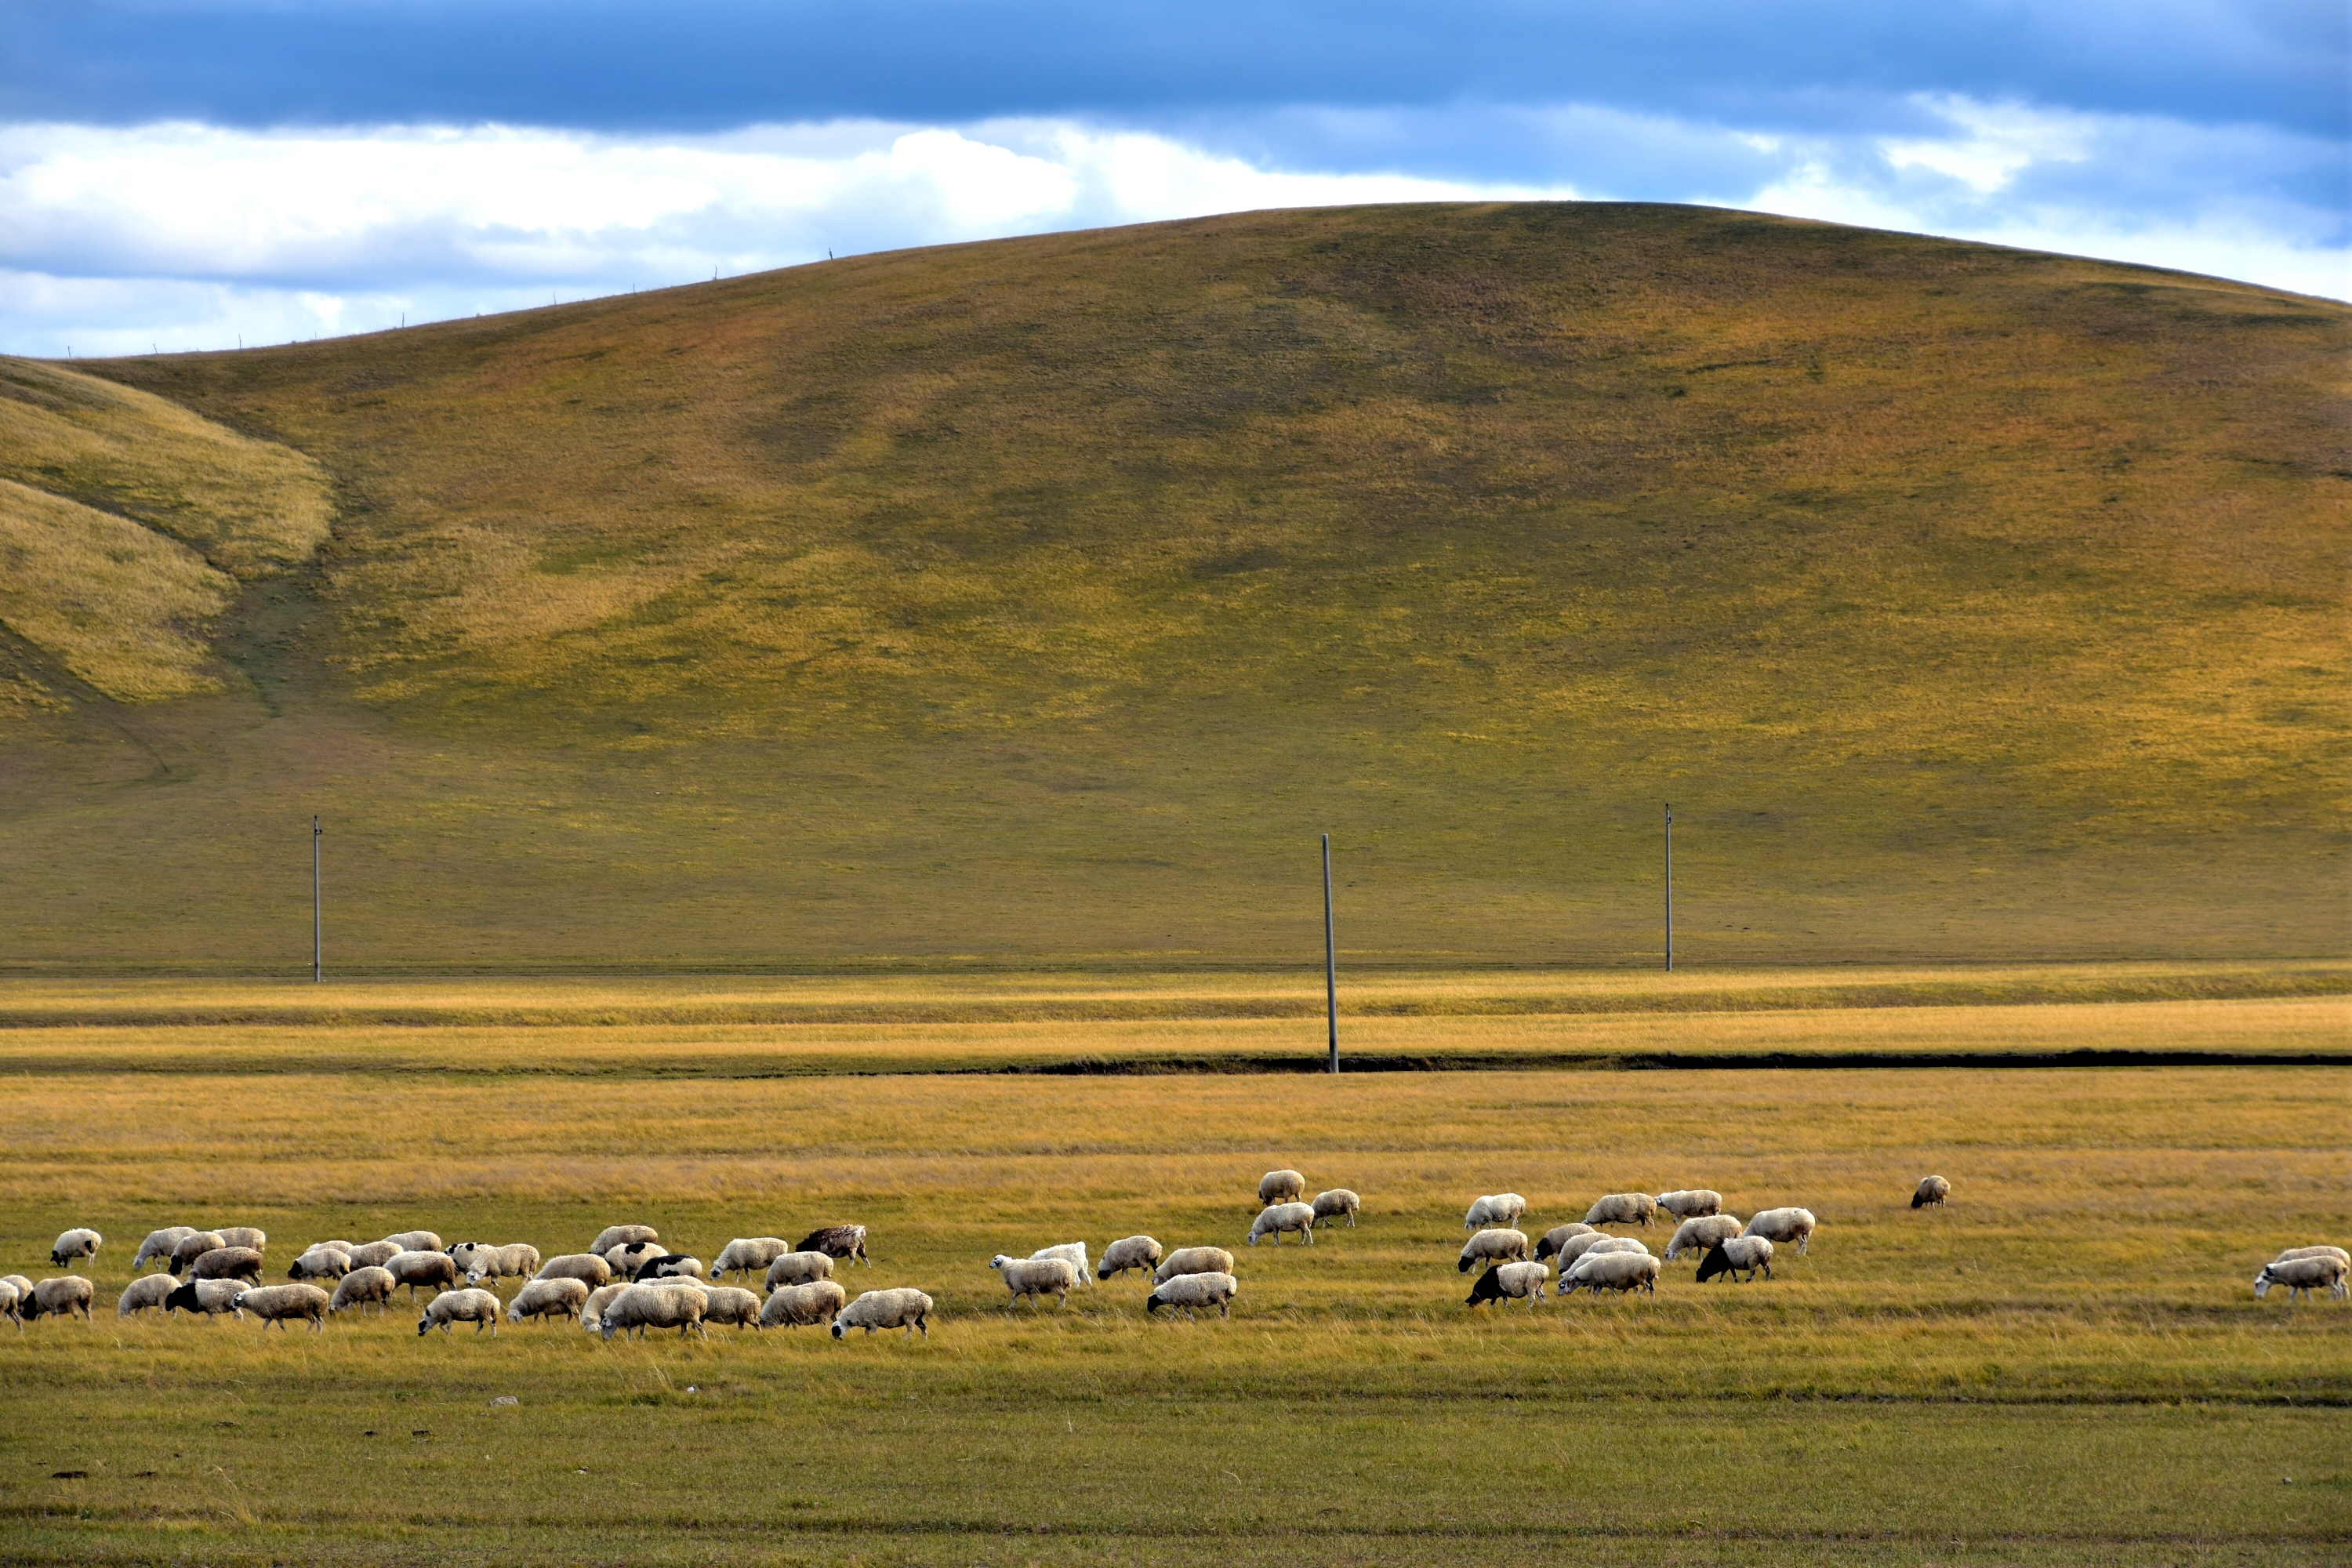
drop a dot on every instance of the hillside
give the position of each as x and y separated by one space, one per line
1040 600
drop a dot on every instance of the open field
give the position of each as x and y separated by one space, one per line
2065 1366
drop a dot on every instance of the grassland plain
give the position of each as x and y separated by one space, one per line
2065 1366
1040 600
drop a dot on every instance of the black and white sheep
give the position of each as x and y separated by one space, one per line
1128 1252
1339 1201
275 1303
370 1285
799 1269
1493 1247
1188 1293
614 1235
669 1266
838 1241
192 1246
1698 1234
669 1304
1733 1253
417 1269
1280 1187
631 1256
1559 1236
1624 1208
548 1299
78 1243
1072 1252
903 1307
206 1297
2299 1275
1691 1203
251 1236
418 1241
59 1297
585 1266
228 1263
1600 1271
157 1247
1784 1225
1497 1209
747 1255
1931 1190
795 1306
374 1254
323 1261
147 1291
1511 1281
1036 1277
479 1308
1280 1218
1192 1260
478 1260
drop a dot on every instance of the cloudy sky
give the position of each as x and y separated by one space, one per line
191 174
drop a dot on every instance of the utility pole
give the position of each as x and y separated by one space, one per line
318 946
1330 960
1670 886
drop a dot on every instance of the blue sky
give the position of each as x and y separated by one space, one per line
187 174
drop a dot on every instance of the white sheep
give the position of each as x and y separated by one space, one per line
75 1244
1784 1225
157 1247
548 1299
478 1260
228 1263
1036 1277
1559 1236
614 1235
147 1291
747 1255
1493 1247
2291 1253
437 1269
1691 1203
1602 1271
1192 1260
374 1254
11 1301
1128 1252
731 1304
1495 1209
585 1266
479 1308
1576 1246
1072 1252
323 1261
206 1297
192 1246
1339 1201
418 1241
1698 1234
1188 1293
371 1285
2299 1275
1931 1190
1748 1252
1511 1282
669 1304
59 1297
799 1269
251 1236
1283 1218
792 1306
1280 1187
1624 1208
275 1303
902 1308
591 1314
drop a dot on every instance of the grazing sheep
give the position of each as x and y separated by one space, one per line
548 1299
373 1254
1034 1277
157 1247
2299 1275
1784 1225
24 1286
1074 1252
190 1247
1698 1234
207 1297
1602 1271
1495 1209
591 1316
228 1263
799 1269
1511 1282
1737 1252
669 1266
585 1266
900 1309
371 1285
1559 1236
59 1297
731 1304
1282 1217
1337 1202
842 1241
251 1236
631 1256
1932 1190
614 1235
794 1306
1128 1252
275 1303
437 1269
479 1260
418 1241
747 1254
479 1308
1576 1246
1624 1208
11 1299
1187 1293
1192 1260
1694 1202
670 1304
1280 1187
74 1243
1493 1247
324 1261
2291 1253
147 1291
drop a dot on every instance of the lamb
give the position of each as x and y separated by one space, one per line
548 1299
209 1298
194 1244
746 1253
631 1256
2298 1274
228 1263
1074 1252
669 1266
1612 1272
74 1243
1280 1187
1694 1203
792 1306
251 1236
1748 1252
1493 1247
324 1261
1128 1252
479 1308
418 1241
1784 1225
667 1305
479 1261
731 1304
1283 1218
373 1254
1192 1260
1559 1236
1337 1202
1188 1293
10 1300
1511 1281
799 1269
614 1235
66 1295
157 1247
842 1241
1035 1277
902 1308
437 1269
275 1303
1932 1190
363 1286
147 1291
1624 1208
1698 1234
1495 1209
585 1266
591 1316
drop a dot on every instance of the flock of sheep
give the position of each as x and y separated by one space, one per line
628 1281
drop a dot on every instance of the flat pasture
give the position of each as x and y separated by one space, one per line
2065 1365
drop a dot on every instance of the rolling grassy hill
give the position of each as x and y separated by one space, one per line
1040 601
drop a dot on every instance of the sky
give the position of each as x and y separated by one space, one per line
197 174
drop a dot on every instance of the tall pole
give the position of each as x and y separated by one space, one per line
317 944
1670 885
1330 960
